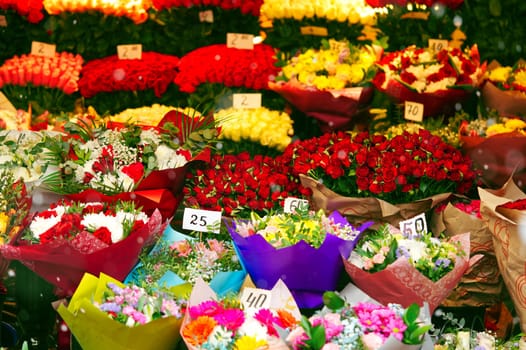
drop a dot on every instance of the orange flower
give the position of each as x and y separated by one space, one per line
197 331
287 320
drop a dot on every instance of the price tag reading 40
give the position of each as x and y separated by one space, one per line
436 45
414 227
255 298
42 49
240 41
129 52
246 100
413 111
201 220
291 204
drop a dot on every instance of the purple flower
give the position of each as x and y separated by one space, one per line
110 307
444 262
402 251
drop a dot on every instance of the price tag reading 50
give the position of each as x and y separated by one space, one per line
201 220
414 227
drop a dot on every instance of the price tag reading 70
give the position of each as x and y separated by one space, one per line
201 220
414 227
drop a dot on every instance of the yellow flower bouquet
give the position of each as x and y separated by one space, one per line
505 88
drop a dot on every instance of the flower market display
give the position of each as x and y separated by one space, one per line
262 174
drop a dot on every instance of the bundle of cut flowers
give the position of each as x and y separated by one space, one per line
303 240
372 176
508 77
179 260
147 165
32 9
70 238
137 10
269 128
15 204
248 7
106 314
479 340
153 70
226 323
330 83
392 266
58 72
468 206
240 183
382 3
231 67
359 325
436 79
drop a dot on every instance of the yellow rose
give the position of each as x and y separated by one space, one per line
497 129
500 74
515 124
520 78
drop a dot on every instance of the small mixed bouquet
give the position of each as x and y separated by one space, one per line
505 88
304 240
71 238
436 79
359 325
391 266
106 314
229 323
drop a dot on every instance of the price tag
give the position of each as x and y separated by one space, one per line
246 100
206 16
5 104
291 204
313 30
414 227
414 111
255 298
201 220
42 49
240 41
129 52
3 21
436 45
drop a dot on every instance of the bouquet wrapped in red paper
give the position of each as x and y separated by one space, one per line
395 268
70 238
497 150
438 80
146 165
329 84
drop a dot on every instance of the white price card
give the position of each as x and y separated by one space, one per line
42 49
291 204
414 227
255 298
206 16
129 52
436 45
3 21
413 111
252 100
201 220
240 41
313 30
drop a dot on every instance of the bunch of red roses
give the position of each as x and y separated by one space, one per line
239 184
32 9
405 168
246 6
381 3
153 71
60 71
519 204
229 66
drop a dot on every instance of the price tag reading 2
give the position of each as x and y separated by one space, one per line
240 41
436 45
206 16
291 204
129 52
414 111
42 49
414 227
246 100
255 298
201 220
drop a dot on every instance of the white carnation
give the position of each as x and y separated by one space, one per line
94 221
39 224
416 249
253 328
167 158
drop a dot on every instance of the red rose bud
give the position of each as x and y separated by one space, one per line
135 171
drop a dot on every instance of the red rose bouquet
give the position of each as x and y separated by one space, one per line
247 7
71 238
153 71
32 9
58 72
231 67
436 79
503 210
372 177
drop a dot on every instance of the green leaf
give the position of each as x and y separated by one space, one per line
333 301
411 314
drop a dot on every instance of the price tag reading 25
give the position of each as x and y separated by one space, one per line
414 227
201 220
